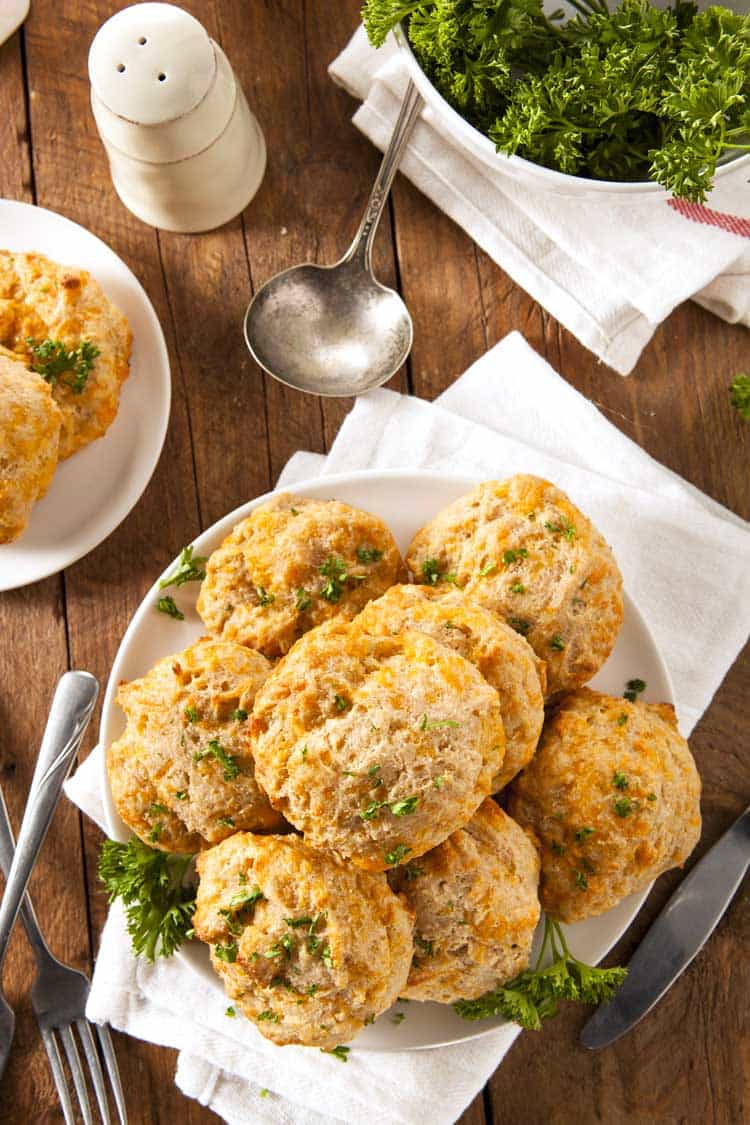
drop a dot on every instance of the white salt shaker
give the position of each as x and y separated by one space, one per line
185 152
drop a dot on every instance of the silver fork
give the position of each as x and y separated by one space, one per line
58 997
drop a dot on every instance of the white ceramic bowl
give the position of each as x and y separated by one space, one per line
535 175
405 500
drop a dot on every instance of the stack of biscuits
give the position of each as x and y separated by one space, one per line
341 750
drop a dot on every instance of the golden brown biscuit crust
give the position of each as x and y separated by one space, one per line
376 747
504 658
613 795
29 438
182 774
307 946
43 300
476 906
523 549
292 564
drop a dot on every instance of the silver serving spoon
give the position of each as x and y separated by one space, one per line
335 330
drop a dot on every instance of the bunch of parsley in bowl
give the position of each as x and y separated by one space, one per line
629 95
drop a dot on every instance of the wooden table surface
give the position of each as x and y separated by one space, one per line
232 430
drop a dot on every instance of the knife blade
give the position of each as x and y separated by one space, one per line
678 934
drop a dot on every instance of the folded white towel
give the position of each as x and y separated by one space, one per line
686 560
610 272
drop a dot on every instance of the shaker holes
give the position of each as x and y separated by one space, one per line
121 67
143 41
162 78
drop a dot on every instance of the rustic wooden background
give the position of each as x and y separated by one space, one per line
231 432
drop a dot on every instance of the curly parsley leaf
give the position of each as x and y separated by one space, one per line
190 568
534 995
158 905
52 360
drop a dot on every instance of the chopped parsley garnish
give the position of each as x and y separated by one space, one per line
534 994
563 527
245 899
226 821
490 568
398 1017
369 554
557 848
327 957
651 797
341 703
623 807
226 952
230 1012
424 946
619 780
556 642
335 571
340 1053
621 719
155 809
399 808
270 1015
228 761
190 568
240 714
520 626
394 857
303 753
633 688
431 571
156 832
518 588
405 807
264 598
52 360
438 782
436 724
191 714
412 871
181 794
295 923
584 833
580 880
514 554
304 601
167 605
739 396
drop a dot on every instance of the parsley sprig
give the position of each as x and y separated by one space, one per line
52 360
158 905
534 995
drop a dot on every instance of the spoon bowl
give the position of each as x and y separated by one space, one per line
336 330
328 330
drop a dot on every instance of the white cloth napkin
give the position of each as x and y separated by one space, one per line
686 561
610 272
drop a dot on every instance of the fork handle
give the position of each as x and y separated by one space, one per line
69 716
26 912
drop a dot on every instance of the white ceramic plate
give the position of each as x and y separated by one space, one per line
92 491
405 501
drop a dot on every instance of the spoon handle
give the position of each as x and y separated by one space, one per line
361 247
69 716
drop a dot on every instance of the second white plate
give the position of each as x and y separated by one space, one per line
92 491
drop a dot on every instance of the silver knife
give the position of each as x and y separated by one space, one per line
680 931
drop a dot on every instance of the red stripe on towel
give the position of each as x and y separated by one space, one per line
700 214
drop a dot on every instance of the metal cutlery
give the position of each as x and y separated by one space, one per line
70 712
336 330
59 996
678 934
